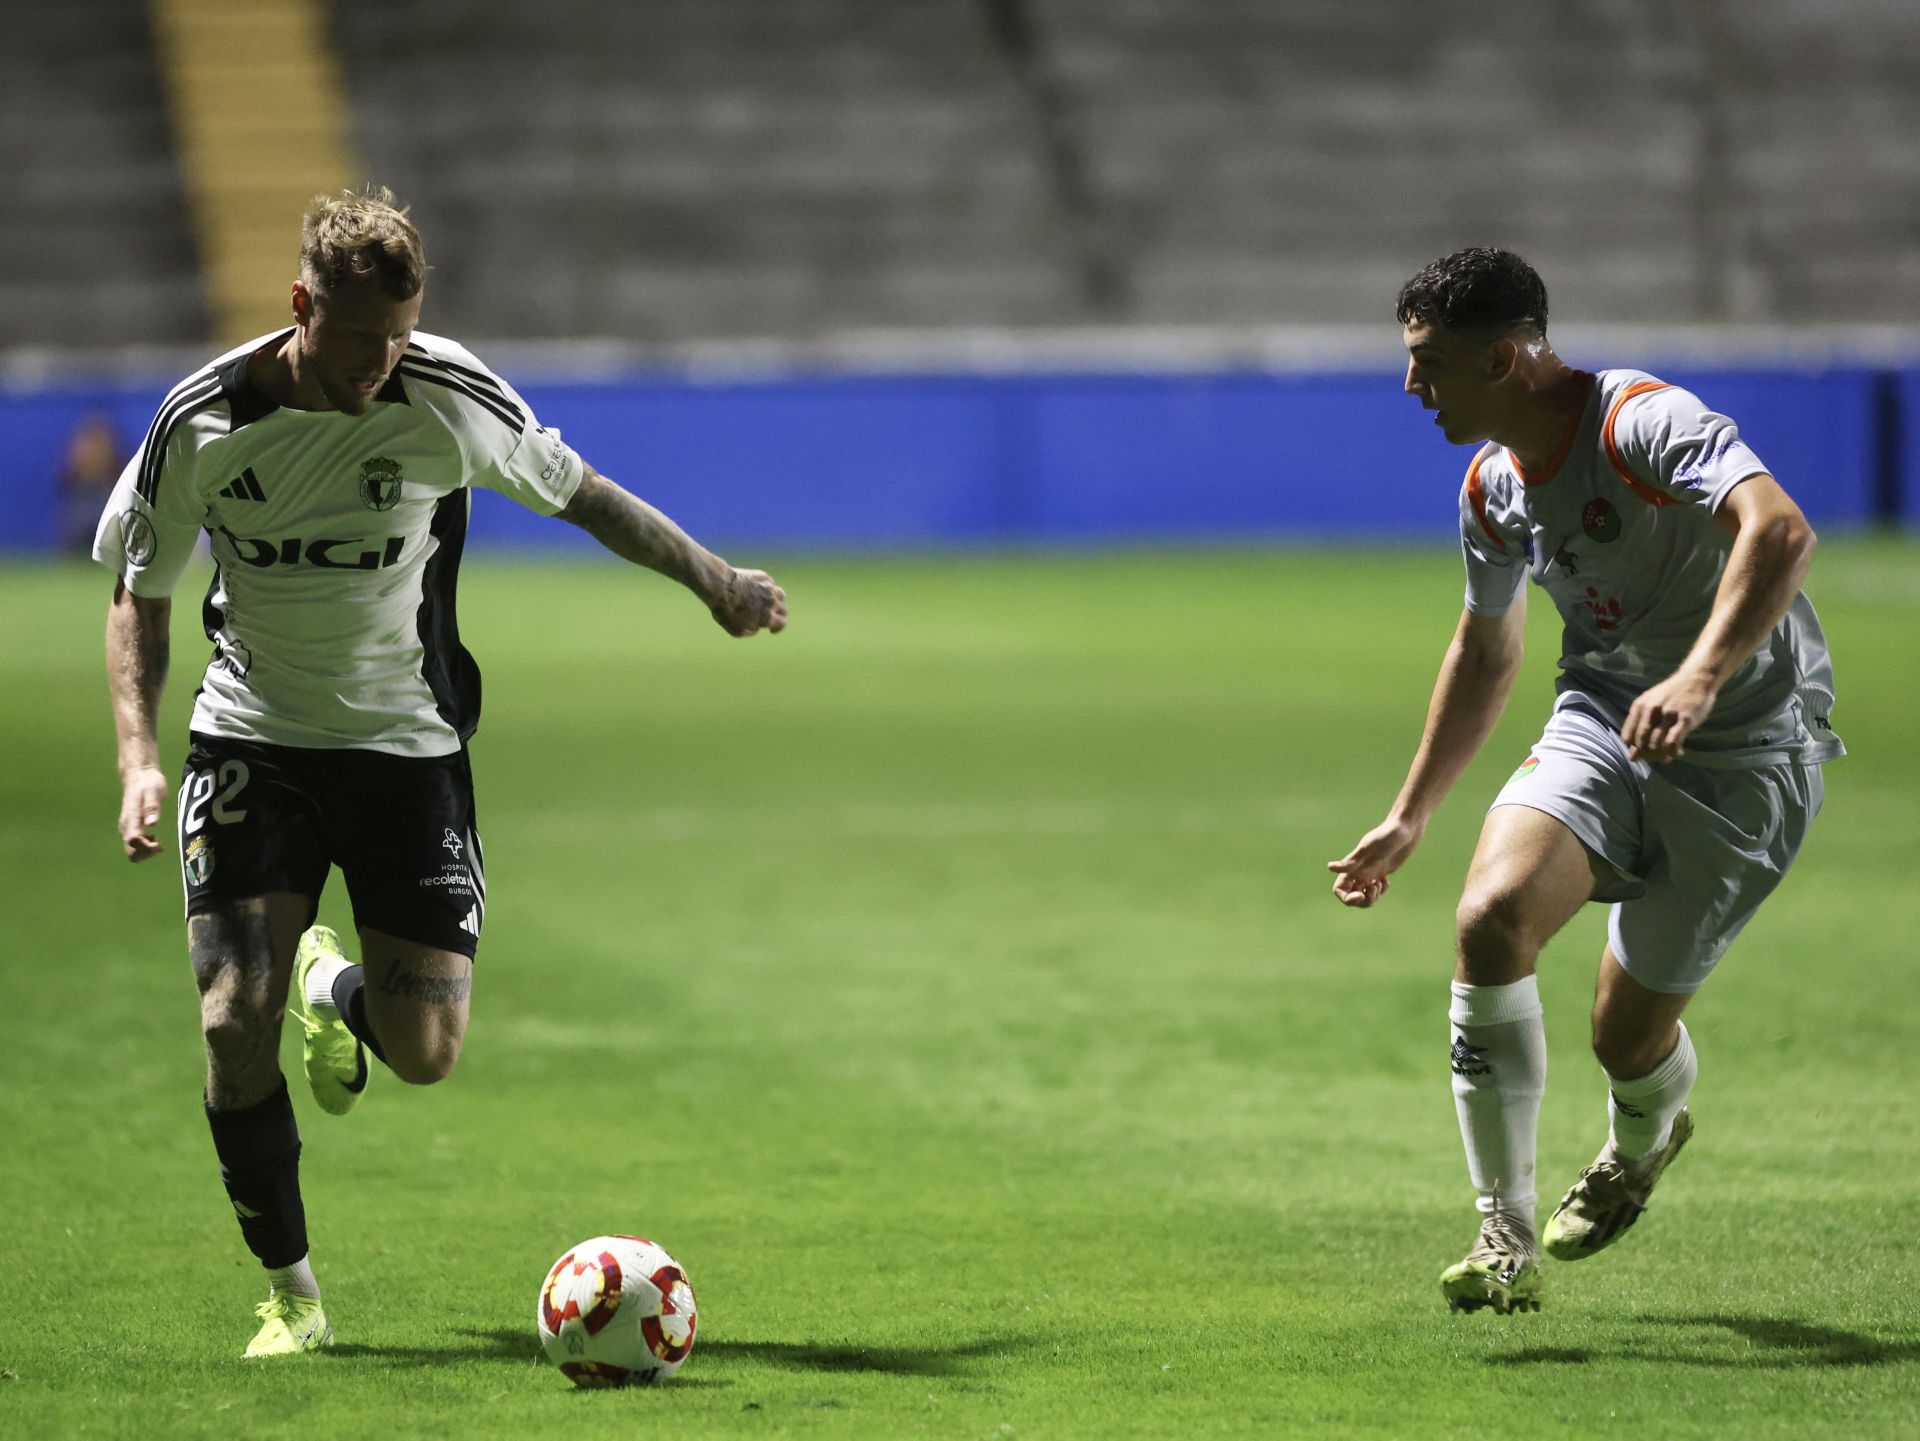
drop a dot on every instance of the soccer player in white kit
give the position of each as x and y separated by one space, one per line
1676 776
331 464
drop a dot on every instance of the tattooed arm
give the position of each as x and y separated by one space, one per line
137 652
742 601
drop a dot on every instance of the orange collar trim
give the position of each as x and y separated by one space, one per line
1541 477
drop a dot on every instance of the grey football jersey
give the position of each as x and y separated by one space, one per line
1619 530
336 541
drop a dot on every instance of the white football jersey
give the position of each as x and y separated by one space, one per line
336 540
1619 530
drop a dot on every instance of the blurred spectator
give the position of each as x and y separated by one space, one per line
87 472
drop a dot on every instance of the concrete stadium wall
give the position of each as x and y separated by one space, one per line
975 460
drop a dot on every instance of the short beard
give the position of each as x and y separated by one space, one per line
346 399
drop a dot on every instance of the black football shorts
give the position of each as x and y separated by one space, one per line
257 818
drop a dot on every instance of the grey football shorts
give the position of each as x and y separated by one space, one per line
1697 848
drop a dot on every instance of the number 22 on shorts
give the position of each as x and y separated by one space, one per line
222 787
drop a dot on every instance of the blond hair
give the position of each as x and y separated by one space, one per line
366 235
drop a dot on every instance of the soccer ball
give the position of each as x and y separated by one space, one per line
616 1311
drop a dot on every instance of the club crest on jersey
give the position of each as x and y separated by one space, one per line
379 483
1601 521
199 860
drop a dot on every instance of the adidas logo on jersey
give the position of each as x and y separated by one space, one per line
245 486
471 924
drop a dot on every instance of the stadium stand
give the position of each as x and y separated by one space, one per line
260 125
1691 163
1292 162
1823 107
709 167
688 169
783 167
95 248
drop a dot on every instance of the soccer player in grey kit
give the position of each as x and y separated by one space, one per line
331 465
1676 776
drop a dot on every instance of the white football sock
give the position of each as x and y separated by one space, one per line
1640 1113
320 985
296 1279
1499 1066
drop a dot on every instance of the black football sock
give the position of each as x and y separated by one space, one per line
259 1150
350 1000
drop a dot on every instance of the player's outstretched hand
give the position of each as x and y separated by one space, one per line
142 795
1664 715
1360 876
749 603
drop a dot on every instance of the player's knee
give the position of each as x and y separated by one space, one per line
233 1030
1625 1054
1492 936
428 1060
421 1070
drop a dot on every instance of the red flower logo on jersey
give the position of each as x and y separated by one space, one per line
1606 613
1601 521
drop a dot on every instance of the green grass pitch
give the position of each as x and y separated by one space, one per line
952 984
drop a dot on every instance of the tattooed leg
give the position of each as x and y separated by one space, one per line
416 998
242 954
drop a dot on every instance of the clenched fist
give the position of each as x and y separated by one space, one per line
750 602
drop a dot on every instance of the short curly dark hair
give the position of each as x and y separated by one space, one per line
1477 289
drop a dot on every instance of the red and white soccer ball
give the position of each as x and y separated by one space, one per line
616 1311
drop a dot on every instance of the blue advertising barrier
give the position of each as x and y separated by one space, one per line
869 461
1900 437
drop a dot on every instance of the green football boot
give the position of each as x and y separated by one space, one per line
1608 1197
290 1324
336 1062
1501 1271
